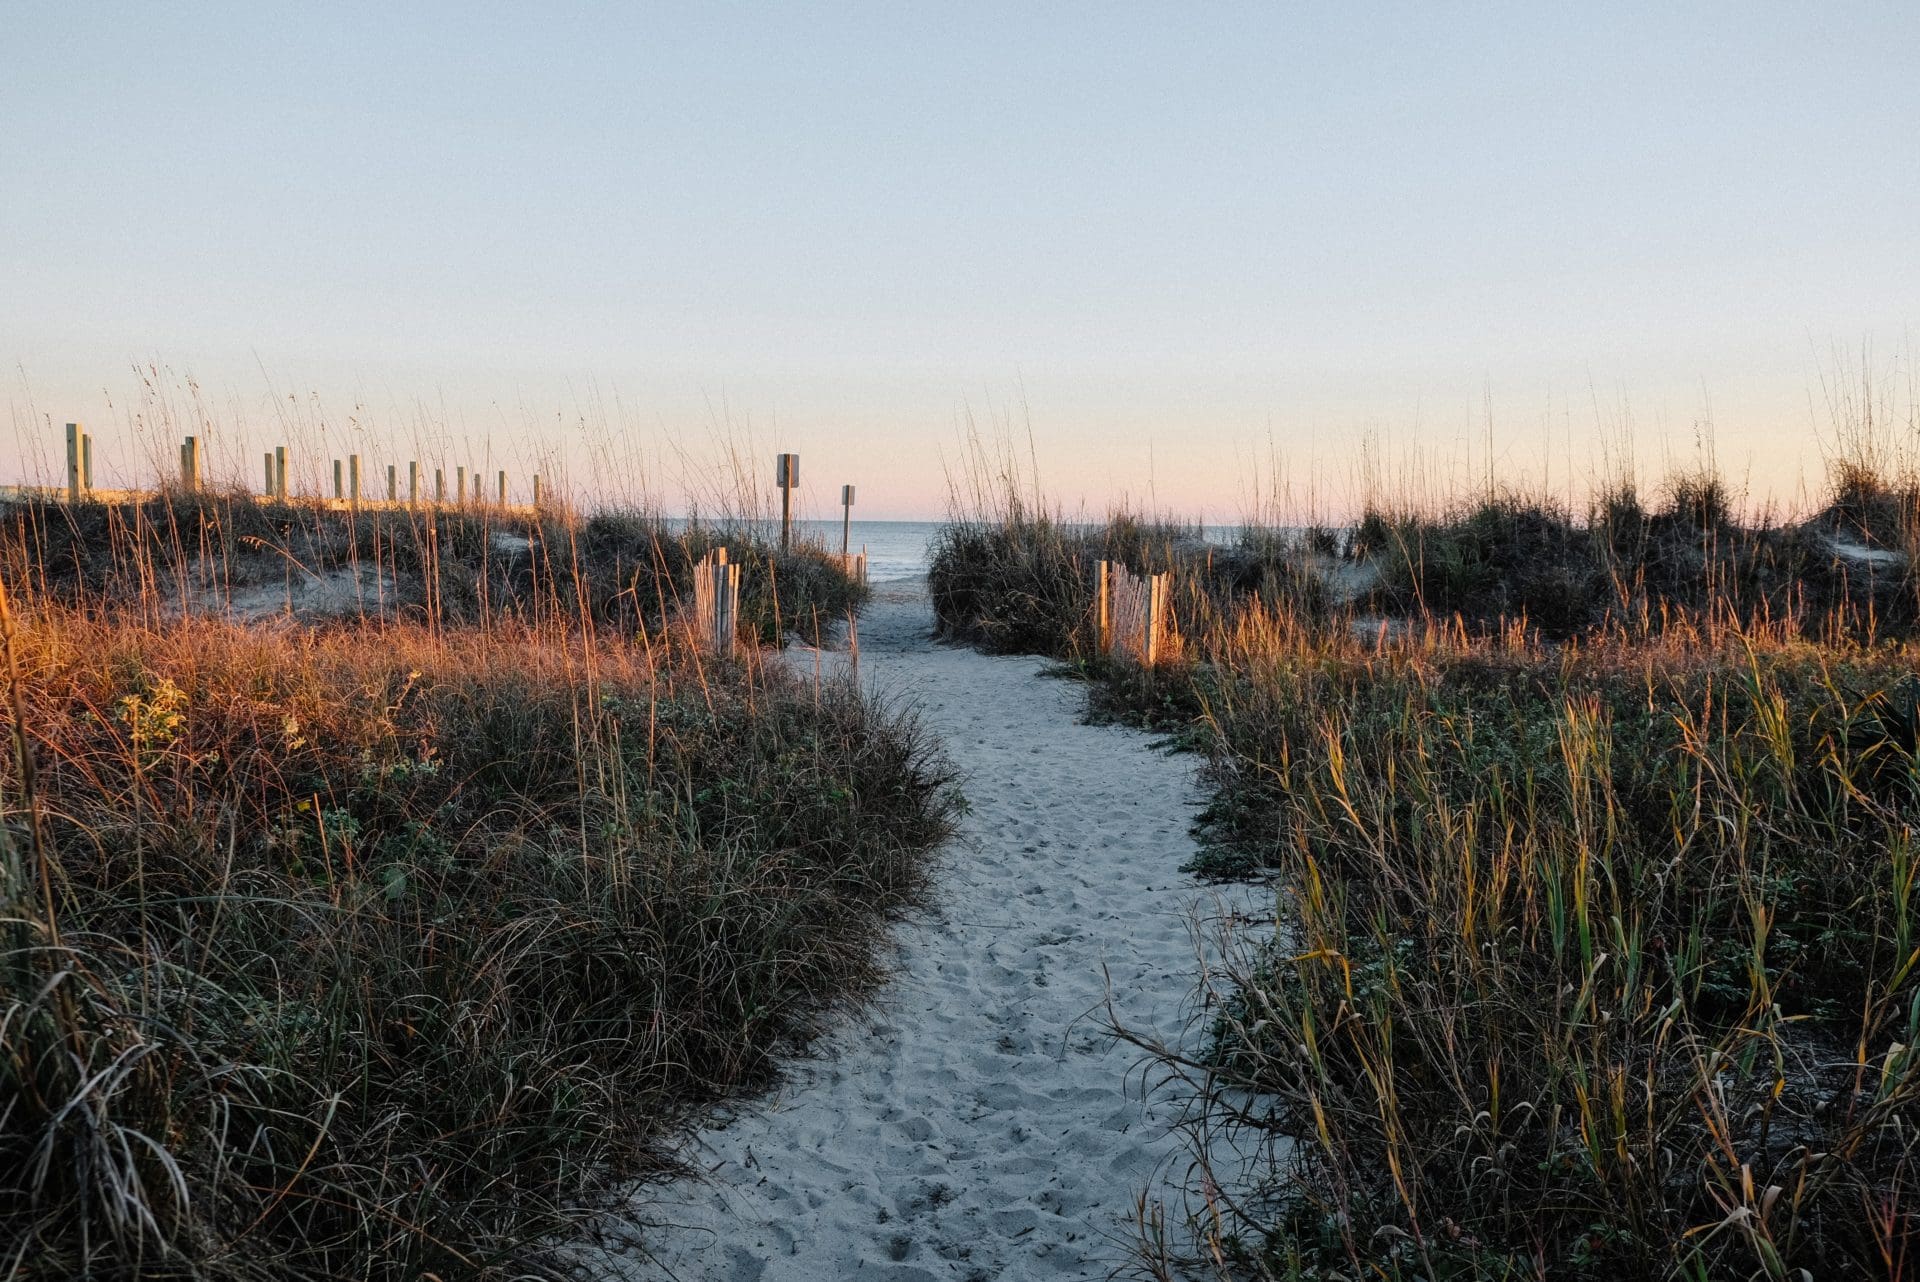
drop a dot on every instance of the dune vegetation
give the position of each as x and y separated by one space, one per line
380 891
1592 844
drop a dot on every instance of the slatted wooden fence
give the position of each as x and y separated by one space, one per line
716 602
1132 619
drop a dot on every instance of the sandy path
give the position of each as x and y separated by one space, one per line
976 1122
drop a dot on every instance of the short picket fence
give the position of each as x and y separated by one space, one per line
716 602
1133 614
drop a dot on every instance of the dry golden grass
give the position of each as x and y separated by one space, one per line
388 945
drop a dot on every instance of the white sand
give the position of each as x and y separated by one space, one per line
977 1122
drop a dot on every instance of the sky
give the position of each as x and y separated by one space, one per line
1181 255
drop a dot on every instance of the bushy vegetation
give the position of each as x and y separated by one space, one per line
1593 963
390 946
441 565
1634 566
1592 843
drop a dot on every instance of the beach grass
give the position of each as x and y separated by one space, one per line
396 938
1590 839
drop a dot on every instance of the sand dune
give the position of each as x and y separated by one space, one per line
978 1121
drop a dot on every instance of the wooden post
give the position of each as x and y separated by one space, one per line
393 483
503 489
1103 608
266 467
439 485
536 491
353 479
339 486
190 464
722 629
73 462
1152 621
86 463
460 485
786 474
280 471
846 520
413 482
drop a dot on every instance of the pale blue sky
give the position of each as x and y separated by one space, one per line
1167 236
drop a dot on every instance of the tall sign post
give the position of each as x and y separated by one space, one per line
76 444
846 519
786 474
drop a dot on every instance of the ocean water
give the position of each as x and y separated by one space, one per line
895 549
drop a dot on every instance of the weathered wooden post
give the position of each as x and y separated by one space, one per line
353 479
266 469
280 471
190 464
537 494
393 483
846 520
460 485
86 463
439 485
726 599
73 462
503 489
339 486
786 474
1155 603
413 482
1103 607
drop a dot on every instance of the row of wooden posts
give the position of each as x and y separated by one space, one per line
348 480
348 488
